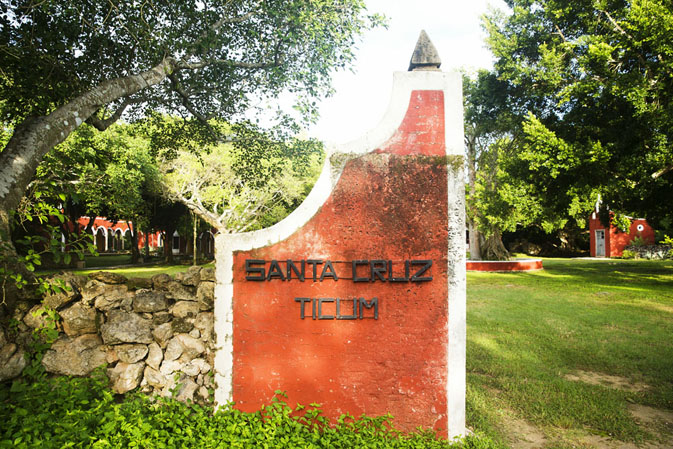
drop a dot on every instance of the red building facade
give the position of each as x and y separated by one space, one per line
115 236
609 241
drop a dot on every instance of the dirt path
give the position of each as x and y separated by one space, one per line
524 435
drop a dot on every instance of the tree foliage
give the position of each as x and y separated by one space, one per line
222 52
496 201
106 174
110 174
239 187
66 62
591 83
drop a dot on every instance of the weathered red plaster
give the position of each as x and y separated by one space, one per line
391 205
422 130
616 240
504 265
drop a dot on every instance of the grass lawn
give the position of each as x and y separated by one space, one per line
107 260
103 261
579 354
140 271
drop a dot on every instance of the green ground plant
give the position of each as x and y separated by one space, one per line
82 413
666 240
628 254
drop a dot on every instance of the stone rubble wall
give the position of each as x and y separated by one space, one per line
155 334
654 252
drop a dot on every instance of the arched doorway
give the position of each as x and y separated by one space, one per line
118 240
207 244
100 237
176 243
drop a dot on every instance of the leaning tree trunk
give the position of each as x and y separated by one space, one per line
36 136
135 253
475 240
472 211
493 248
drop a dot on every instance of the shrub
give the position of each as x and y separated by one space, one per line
82 412
628 254
638 241
667 241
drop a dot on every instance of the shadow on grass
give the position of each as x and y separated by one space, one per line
651 276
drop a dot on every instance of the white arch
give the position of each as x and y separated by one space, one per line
123 238
110 239
95 230
118 240
211 242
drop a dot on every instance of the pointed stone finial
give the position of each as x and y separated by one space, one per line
425 56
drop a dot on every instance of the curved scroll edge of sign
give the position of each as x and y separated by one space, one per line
403 84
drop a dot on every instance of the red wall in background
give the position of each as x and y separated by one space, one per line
504 265
615 240
111 227
389 205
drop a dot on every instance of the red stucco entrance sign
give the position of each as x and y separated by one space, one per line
356 301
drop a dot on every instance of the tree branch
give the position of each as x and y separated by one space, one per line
661 172
560 33
615 24
621 30
186 101
35 136
103 124
201 63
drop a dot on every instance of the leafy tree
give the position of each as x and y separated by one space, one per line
594 79
482 129
110 174
68 62
131 178
243 186
496 201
